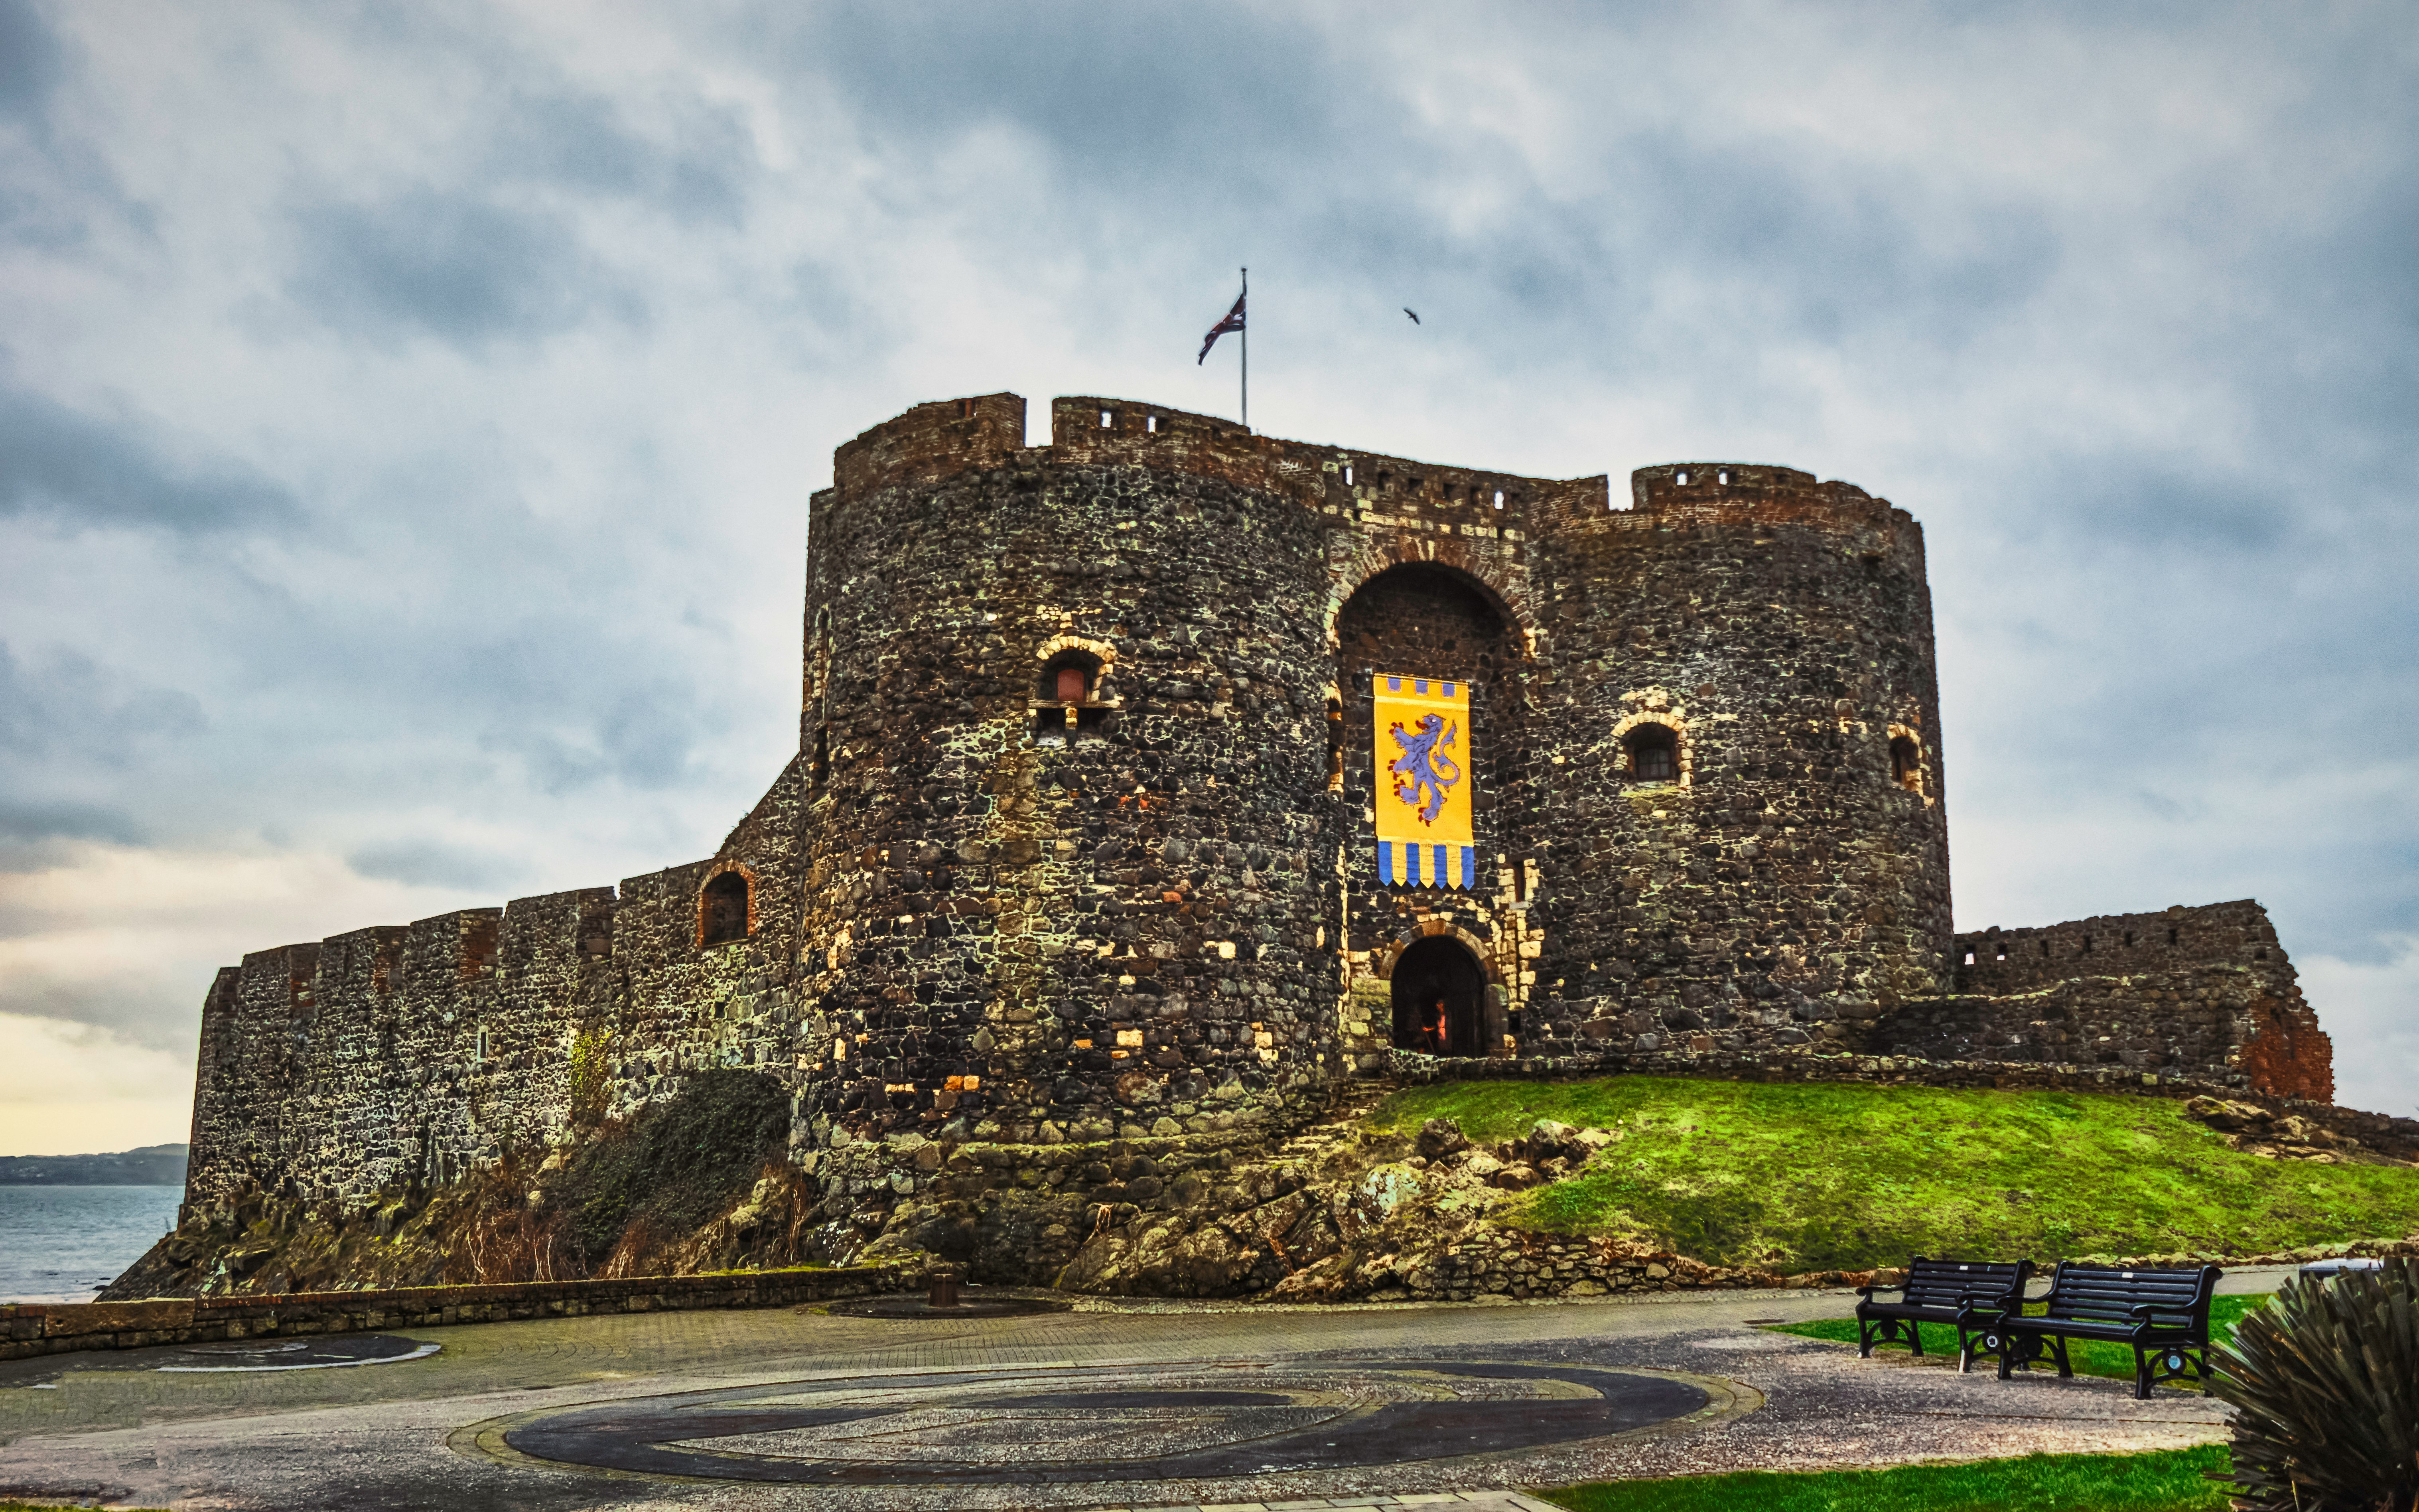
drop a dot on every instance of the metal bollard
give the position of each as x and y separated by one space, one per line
944 1289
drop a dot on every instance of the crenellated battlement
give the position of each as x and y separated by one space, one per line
1730 493
930 442
935 442
2235 933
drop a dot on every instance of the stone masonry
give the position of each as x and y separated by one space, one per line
1076 847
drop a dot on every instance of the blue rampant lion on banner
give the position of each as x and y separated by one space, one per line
1417 770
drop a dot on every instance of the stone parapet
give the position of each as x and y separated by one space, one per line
59 1328
1411 1068
2002 961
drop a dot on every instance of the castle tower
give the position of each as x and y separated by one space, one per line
1091 770
1769 641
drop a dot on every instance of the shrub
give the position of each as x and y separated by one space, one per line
2326 1386
590 1091
675 1167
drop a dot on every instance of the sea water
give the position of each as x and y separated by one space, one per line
63 1243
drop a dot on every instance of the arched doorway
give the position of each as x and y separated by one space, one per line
1439 978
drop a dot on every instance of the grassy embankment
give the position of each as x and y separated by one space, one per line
1804 1177
2170 1481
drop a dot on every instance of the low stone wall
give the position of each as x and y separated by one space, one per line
59 1328
1411 1068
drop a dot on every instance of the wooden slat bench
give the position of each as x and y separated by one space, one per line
1967 1295
2163 1314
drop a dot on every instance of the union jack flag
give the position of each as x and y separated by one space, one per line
1234 321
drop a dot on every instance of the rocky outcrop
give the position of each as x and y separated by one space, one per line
694 1183
2316 1133
482 1230
1343 1213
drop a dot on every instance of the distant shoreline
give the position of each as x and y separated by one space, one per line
151 1165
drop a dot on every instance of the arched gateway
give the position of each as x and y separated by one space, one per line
1439 998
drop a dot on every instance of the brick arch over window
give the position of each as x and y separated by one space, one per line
1484 577
1684 742
726 904
1074 650
1383 967
1440 960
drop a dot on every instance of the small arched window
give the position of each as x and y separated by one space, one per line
1653 754
1067 698
1334 745
1906 763
725 909
1067 678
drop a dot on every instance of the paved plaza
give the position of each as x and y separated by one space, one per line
1117 1404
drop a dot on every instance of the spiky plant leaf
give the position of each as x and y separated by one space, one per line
2325 1387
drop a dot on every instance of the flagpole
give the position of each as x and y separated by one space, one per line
1246 335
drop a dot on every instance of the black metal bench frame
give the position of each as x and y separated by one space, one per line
2163 1314
1967 1295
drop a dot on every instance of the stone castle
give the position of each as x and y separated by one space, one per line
1076 847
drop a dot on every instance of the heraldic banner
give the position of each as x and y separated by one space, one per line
1424 835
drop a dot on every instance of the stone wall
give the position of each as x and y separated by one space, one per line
28 1329
2000 962
2225 1016
2206 992
404 1057
982 915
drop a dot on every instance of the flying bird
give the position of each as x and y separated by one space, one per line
1413 313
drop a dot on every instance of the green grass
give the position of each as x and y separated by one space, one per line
2169 1481
1811 1176
2090 1357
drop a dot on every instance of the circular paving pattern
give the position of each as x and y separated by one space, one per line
297 1354
1007 1428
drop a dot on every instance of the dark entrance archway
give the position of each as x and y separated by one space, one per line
1439 970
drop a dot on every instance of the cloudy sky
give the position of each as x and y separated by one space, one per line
408 414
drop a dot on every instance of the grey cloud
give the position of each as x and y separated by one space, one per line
83 471
113 1008
68 728
70 705
1246 115
450 265
585 142
643 738
431 864
2143 501
1182 95
29 59
33 832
